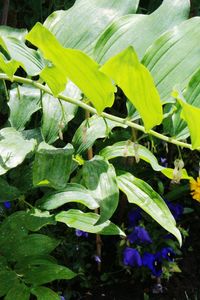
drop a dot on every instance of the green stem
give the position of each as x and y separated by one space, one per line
93 111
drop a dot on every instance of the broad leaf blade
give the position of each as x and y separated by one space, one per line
8 192
140 30
19 291
87 20
141 194
137 84
44 293
100 178
86 221
75 65
72 193
23 102
13 149
52 166
7 279
90 130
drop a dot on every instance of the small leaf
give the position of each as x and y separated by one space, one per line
137 84
86 221
141 194
9 67
72 193
52 166
75 65
99 177
191 115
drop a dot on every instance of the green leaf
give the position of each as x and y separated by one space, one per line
7 279
72 193
52 166
137 84
140 30
33 244
191 94
44 293
35 219
174 57
7 191
128 148
191 115
57 114
86 221
23 102
9 67
90 130
13 149
13 41
46 272
141 194
100 178
75 65
80 26
18 292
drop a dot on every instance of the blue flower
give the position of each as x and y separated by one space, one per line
168 253
80 233
131 257
97 259
139 234
134 217
176 209
163 162
7 204
153 262
62 298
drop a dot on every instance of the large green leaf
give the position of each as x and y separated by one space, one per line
7 191
191 115
72 193
100 178
23 102
137 84
128 148
52 166
7 279
141 194
19 291
13 149
13 41
90 130
75 65
80 26
140 30
57 114
35 219
44 293
86 221
32 245
174 57
46 272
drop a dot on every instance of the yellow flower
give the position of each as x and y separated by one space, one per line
195 188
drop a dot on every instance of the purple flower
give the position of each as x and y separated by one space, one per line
97 259
7 204
163 162
139 234
134 217
176 209
80 233
168 253
131 257
62 298
153 262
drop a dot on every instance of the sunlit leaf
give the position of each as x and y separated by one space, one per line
137 84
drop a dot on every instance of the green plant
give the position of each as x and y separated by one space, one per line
79 63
